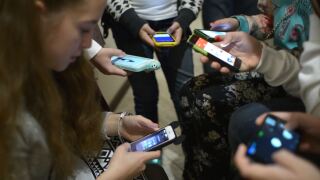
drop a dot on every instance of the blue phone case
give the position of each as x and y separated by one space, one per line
135 63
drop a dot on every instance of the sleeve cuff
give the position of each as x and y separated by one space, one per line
185 18
243 23
93 50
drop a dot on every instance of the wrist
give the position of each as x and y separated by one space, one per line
112 124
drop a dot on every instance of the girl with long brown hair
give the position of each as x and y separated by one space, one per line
49 113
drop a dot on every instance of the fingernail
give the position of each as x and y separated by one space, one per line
224 45
218 38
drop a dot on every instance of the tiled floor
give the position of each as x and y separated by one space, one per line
173 157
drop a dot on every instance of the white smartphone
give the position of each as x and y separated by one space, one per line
206 48
155 141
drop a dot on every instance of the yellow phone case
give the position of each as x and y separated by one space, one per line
163 36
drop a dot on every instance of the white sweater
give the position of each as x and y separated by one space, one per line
299 78
309 75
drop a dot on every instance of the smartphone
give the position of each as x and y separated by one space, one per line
155 141
163 39
135 63
271 137
208 35
221 27
214 53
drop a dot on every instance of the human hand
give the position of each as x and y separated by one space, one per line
126 165
286 166
102 61
135 127
176 30
307 125
145 34
225 24
242 46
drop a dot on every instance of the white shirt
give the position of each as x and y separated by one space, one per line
155 10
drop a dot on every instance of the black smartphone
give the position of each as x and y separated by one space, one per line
214 53
211 36
271 137
155 141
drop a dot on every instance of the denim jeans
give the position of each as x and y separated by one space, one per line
176 64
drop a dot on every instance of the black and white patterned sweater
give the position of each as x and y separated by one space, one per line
124 13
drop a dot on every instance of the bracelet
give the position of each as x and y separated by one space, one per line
243 23
122 115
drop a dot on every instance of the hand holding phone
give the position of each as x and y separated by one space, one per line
163 39
135 63
272 136
155 141
215 53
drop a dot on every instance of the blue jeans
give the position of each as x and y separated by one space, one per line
176 64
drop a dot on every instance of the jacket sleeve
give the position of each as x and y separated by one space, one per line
309 76
188 11
259 26
123 12
280 68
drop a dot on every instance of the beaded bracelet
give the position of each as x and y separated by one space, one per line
122 115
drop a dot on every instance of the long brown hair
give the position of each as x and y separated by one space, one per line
65 104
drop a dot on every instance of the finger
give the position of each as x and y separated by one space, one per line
148 123
173 27
147 39
146 156
260 119
215 65
149 30
178 35
225 70
118 71
251 170
204 59
289 117
125 147
287 160
116 52
227 40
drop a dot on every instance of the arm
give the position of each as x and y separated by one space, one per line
309 75
125 15
187 12
131 128
280 68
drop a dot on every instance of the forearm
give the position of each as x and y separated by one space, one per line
110 124
125 15
280 68
187 12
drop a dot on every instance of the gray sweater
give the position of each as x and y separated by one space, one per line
31 157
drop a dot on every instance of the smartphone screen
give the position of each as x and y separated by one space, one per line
154 140
212 34
163 37
271 137
215 51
